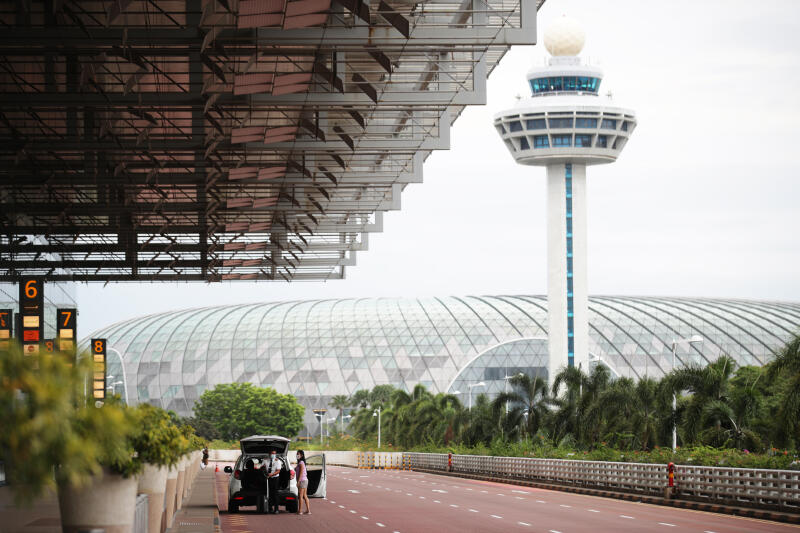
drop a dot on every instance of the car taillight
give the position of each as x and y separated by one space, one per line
291 474
237 473
289 498
238 497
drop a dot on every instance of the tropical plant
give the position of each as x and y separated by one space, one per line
340 401
529 400
787 366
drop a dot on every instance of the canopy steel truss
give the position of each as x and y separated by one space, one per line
226 140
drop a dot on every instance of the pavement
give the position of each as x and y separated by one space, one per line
406 502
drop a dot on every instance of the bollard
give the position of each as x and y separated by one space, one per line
669 490
450 462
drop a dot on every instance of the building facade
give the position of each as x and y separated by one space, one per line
318 349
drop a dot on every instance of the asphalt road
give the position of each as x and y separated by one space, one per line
410 502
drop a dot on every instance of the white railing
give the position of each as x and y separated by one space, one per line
140 515
762 488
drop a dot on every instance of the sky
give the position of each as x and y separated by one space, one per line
702 202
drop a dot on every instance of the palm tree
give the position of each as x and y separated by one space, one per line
787 366
340 401
360 398
529 395
627 408
708 410
569 419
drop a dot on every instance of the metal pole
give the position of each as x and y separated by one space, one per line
124 375
674 403
379 427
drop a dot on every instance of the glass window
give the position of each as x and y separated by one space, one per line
523 143
609 124
602 141
625 126
583 140
501 129
585 122
515 126
541 141
557 83
561 122
562 140
570 83
536 124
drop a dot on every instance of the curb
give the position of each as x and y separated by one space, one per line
762 514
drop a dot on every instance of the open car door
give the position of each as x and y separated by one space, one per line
317 482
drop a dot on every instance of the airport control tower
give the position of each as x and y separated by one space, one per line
565 125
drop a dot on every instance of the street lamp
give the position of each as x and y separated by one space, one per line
506 378
328 425
694 339
377 412
470 386
124 375
347 417
319 413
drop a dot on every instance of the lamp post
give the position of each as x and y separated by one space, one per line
124 375
506 378
328 426
694 339
377 412
319 413
470 386
343 417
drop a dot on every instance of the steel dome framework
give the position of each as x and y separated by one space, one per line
317 349
226 139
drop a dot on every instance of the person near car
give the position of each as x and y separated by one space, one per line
301 475
273 471
204 461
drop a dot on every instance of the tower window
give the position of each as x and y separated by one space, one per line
625 126
523 143
583 140
515 126
536 124
561 122
609 124
585 122
602 141
541 141
562 140
501 129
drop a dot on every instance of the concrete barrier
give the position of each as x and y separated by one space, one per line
775 489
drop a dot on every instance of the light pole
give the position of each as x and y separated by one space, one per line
124 375
506 378
328 426
319 413
694 339
470 386
377 412
347 417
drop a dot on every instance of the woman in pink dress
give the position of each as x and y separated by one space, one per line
301 475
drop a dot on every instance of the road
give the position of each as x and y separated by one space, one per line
410 502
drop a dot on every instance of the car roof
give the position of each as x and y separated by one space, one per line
265 437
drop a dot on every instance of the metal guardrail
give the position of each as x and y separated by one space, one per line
742 486
140 516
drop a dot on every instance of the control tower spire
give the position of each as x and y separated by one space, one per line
565 125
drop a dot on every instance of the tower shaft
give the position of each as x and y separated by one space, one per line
567 315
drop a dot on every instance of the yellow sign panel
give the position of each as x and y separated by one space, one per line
66 346
99 358
67 333
100 394
31 349
4 334
30 321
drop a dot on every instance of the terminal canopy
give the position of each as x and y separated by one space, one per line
216 140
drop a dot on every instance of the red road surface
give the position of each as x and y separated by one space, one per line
410 502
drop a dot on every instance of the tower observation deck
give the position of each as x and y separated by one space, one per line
565 125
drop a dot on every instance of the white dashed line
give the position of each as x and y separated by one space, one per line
519 491
626 516
484 492
567 506
500 494
523 523
454 505
341 507
540 501
379 524
666 524
436 501
593 511
422 497
365 518
473 511
554 531
352 511
519 497
495 516
409 494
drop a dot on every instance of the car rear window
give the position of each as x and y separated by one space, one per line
262 448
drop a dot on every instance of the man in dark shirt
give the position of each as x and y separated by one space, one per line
273 471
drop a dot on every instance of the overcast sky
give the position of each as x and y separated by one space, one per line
702 202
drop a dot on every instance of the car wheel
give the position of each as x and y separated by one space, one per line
291 507
233 507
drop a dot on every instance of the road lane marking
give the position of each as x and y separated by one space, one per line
439 490
365 518
352 511
422 497
484 492
436 501
353 491
520 491
562 505
453 505
495 516
519 497
500 494
341 507
523 523
554 531
593 511
626 516
409 494
379 524
666 524
473 511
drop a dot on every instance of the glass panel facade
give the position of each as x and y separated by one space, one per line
561 122
609 124
582 122
562 140
318 349
536 124
583 140
564 83
541 141
515 126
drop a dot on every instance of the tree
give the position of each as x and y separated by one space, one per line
787 366
340 401
237 410
529 396
360 398
628 413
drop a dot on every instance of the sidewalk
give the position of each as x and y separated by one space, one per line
198 515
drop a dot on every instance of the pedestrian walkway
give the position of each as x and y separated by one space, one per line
198 515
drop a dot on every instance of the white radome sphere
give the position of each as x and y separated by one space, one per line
564 37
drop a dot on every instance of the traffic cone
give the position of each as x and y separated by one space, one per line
217 469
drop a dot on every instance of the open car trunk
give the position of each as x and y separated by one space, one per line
315 470
264 444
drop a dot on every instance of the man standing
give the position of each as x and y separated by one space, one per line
273 471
